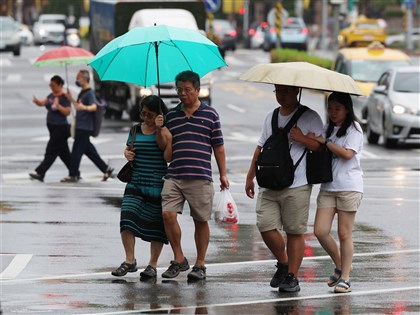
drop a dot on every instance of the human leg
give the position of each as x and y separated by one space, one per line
295 251
345 228
322 230
64 151
51 151
276 244
202 237
155 250
79 146
93 155
173 232
129 264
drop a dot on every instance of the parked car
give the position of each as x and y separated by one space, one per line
393 107
256 33
25 34
294 34
365 65
50 28
362 32
9 35
226 32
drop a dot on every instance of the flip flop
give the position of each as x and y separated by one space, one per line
343 286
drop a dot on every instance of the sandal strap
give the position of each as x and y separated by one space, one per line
343 284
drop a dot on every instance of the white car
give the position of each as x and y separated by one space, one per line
50 28
26 36
9 35
393 107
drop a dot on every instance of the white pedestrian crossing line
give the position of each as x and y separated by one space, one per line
19 262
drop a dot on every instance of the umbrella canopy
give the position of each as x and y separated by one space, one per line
63 56
156 54
302 74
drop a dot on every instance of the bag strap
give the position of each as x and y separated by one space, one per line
290 123
133 136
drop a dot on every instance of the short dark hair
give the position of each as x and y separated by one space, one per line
155 104
188 76
57 80
85 74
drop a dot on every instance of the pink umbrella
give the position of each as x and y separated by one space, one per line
64 55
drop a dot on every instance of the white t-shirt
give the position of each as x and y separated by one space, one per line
309 121
347 174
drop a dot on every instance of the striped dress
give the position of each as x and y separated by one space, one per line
141 210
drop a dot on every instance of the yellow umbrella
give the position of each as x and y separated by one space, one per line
302 74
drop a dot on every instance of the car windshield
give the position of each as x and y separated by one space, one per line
408 82
367 26
371 70
6 25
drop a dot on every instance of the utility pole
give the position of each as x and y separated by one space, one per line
324 43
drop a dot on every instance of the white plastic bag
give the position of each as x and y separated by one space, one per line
226 209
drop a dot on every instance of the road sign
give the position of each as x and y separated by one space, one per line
212 5
409 4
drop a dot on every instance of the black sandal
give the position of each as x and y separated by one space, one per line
333 280
124 269
107 174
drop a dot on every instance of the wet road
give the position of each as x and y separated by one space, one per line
59 242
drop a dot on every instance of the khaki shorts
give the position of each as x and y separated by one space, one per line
341 200
198 192
286 209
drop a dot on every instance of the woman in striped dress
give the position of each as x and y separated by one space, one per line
141 211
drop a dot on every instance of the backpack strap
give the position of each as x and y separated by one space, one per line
290 123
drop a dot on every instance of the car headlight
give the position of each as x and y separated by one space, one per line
204 92
42 32
400 109
145 92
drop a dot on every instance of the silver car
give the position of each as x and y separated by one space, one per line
9 35
393 107
49 29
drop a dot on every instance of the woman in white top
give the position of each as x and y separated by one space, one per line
344 138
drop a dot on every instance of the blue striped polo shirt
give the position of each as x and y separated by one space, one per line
193 139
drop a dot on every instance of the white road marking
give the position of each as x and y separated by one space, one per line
236 108
252 262
15 267
298 298
14 78
5 62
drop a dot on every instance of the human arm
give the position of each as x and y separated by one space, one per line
249 183
219 154
39 102
297 136
336 149
79 106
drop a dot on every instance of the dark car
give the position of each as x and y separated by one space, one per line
226 33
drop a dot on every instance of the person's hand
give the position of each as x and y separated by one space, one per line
249 188
224 182
35 100
129 155
296 134
159 121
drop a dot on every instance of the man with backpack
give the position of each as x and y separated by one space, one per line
85 106
284 205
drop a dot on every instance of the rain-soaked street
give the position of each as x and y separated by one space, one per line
59 242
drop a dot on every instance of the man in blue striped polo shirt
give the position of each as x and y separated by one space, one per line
196 133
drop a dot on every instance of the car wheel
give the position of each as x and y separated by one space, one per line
16 51
372 137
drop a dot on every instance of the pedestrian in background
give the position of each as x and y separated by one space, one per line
286 209
344 138
85 106
58 108
141 210
196 132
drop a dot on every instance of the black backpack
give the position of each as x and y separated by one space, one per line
274 165
98 116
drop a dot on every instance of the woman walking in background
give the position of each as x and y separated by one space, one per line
344 138
58 107
141 211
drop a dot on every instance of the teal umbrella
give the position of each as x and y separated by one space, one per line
156 54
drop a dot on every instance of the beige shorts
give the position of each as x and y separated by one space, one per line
286 209
341 200
198 193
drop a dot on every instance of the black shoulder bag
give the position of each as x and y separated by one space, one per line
126 171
